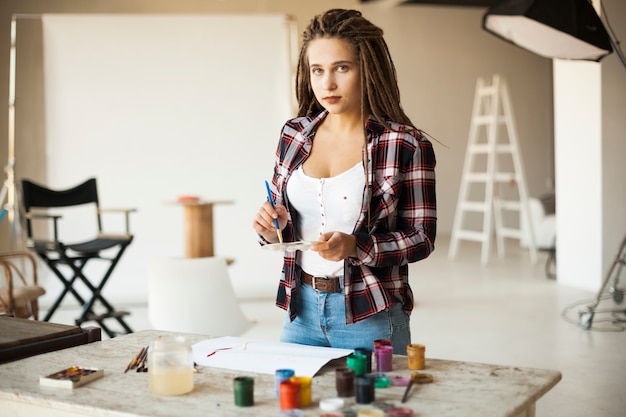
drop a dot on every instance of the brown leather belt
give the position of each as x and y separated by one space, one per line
322 284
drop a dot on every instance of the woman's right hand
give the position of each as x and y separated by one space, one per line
264 221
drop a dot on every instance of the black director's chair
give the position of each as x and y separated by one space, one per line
68 260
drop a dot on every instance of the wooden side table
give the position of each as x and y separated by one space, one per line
199 242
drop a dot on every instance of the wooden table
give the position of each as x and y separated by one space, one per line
199 242
460 389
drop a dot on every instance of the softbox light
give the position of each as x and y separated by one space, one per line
566 29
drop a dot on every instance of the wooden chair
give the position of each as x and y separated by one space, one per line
19 291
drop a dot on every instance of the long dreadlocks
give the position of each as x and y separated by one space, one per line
380 94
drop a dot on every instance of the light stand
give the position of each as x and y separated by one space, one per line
8 189
564 29
8 192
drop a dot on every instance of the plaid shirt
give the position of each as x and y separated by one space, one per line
402 221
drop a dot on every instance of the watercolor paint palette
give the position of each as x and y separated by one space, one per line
71 377
289 246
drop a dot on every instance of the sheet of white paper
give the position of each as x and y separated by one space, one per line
263 356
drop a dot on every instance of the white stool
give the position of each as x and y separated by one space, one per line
194 295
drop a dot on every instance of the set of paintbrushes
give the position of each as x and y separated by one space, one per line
139 362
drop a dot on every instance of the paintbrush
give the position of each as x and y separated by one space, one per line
271 200
414 377
135 361
143 361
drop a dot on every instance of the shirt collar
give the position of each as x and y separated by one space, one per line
309 130
374 126
371 125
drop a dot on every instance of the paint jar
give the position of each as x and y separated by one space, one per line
364 390
381 380
332 404
368 354
400 381
399 412
305 389
291 413
170 366
370 412
358 363
416 356
344 382
289 395
382 342
384 358
244 391
282 375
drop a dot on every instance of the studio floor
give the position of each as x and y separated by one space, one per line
506 313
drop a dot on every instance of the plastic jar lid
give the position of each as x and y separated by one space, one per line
332 404
295 412
400 412
400 381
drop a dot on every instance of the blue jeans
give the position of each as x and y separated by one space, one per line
321 321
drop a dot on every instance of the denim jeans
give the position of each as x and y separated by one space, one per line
321 321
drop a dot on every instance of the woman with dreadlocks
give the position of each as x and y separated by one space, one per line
356 177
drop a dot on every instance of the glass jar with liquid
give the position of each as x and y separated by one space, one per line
170 366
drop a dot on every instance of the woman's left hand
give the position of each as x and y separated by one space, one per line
335 246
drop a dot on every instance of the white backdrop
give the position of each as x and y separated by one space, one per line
159 106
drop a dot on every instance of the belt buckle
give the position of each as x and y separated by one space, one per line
314 281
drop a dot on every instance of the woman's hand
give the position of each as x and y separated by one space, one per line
335 246
264 221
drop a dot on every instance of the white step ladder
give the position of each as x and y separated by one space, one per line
493 184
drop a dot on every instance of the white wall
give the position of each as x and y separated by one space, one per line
578 145
439 53
161 107
590 99
614 142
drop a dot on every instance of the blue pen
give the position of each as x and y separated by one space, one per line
271 200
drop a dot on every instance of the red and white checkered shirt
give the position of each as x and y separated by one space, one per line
402 220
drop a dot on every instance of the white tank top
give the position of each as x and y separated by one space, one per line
325 205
